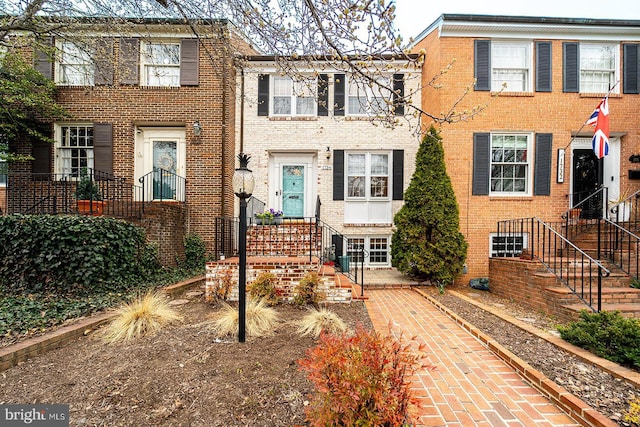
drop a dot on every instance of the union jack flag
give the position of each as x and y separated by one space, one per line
600 119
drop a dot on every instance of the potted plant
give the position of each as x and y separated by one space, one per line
272 216
88 195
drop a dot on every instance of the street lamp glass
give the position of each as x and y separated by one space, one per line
243 180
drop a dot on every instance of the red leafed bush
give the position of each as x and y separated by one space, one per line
360 379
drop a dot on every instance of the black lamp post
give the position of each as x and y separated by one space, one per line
243 184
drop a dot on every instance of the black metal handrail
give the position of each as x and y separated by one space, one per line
254 206
621 247
573 267
162 185
53 194
625 210
302 237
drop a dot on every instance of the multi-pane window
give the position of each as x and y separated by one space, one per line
507 245
294 97
161 64
598 67
74 149
3 173
368 175
510 65
510 163
371 250
76 67
367 97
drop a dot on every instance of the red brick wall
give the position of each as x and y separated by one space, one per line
209 158
164 224
555 112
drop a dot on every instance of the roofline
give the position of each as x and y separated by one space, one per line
331 58
538 20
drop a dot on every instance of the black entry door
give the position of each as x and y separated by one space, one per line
586 181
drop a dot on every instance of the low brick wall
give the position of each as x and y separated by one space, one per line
164 224
288 270
527 283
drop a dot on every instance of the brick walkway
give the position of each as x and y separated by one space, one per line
470 386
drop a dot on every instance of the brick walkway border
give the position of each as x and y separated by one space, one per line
19 352
574 407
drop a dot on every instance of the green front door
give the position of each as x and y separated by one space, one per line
293 191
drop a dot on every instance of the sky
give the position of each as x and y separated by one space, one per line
413 16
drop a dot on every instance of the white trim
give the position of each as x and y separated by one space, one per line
530 158
143 163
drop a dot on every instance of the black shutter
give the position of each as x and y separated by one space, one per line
482 64
323 95
398 94
103 73
128 70
263 94
41 153
398 174
42 59
338 95
189 62
571 67
543 66
631 66
338 174
481 164
542 174
103 147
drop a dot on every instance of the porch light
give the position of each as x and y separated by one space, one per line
243 184
197 128
328 152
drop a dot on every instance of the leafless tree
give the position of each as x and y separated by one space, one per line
357 37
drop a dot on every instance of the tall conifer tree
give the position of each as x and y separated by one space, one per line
427 242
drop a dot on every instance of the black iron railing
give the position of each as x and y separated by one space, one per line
163 185
303 237
32 193
620 246
572 266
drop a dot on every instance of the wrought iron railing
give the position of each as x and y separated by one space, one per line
33 193
163 185
620 246
303 237
572 266
254 206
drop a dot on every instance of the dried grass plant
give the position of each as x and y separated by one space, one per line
261 320
144 316
321 320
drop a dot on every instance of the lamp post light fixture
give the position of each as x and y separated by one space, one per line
243 184
197 128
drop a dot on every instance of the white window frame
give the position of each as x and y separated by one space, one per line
297 91
148 64
514 244
64 150
368 240
524 69
495 161
368 177
77 61
3 172
370 98
589 68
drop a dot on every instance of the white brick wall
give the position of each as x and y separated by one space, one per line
264 136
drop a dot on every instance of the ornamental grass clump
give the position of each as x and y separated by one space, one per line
261 320
361 380
143 316
322 320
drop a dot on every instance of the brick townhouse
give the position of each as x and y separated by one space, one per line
313 145
528 153
152 94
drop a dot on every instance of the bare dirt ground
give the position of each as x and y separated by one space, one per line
186 376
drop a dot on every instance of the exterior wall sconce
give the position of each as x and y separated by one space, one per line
197 128
328 153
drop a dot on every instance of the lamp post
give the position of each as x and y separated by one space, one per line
243 184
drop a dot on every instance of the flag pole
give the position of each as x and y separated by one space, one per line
585 122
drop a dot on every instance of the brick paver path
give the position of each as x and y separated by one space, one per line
469 386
